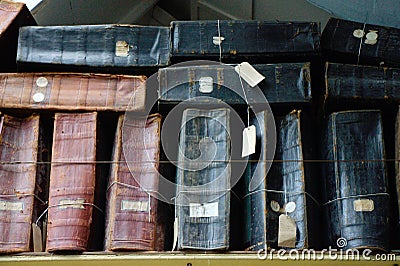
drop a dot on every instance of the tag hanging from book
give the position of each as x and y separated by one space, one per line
249 141
249 74
286 231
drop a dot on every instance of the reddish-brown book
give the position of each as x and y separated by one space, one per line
13 15
72 181
134 219
18 151
72 91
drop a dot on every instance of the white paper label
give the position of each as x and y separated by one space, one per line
68 203
371 37
137 206
363 205
121 49
249 74
11 206
38 97
206 84
42 82
218 40
286 231
249 141
203 210
358 33
290 207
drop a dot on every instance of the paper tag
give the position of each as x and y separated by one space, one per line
68 203
11 206
358 33
286 231
218 40
249 141
290 207
206 84
275 206
137 206
175 234
249 74
203 210
121 48
363 205
37 238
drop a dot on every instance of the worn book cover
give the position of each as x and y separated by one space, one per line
73 91
72 182
13 15
135 217
18 154
356 195
288 188
203 180
345 41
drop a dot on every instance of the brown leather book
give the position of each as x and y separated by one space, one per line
72 181
18 143
69 91
134 219
13 15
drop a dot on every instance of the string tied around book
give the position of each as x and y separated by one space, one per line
219 42
67 204
245 97
384 194
18 195
360 46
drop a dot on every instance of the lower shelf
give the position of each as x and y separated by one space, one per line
199 259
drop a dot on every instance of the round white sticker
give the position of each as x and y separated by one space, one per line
290 207
38 97
42 82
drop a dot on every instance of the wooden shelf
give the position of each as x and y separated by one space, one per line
184 259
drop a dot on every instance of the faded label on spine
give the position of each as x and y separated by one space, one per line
363 205
11 206
132 205
203 209
69 203
121 49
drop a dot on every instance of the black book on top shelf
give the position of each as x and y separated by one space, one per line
345 41
275 41
357 201
93 48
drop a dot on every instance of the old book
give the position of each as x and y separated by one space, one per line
283 84
241 39
357 200
105 48
361 84
135 219
13 15
202 203
287 188
352 42
72 182
69 91
18 151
